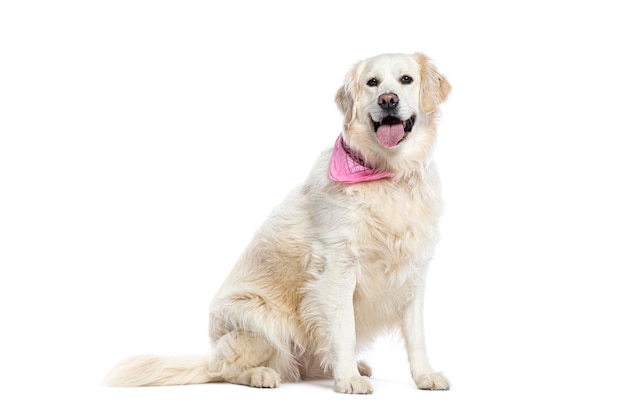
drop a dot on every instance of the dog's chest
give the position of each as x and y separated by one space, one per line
393 226
394 233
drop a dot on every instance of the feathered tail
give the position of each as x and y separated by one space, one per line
149 370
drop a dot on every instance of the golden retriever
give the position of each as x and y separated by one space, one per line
342 259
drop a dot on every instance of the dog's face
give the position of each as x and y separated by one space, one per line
388 97
389 94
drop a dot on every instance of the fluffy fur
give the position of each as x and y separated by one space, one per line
335 264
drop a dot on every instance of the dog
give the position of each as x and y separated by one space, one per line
342 259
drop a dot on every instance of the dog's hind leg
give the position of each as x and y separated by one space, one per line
242 357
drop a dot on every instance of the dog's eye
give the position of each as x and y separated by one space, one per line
372 82
406 80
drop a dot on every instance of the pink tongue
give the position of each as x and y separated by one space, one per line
390 135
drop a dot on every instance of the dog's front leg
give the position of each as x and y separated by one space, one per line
335 295
413 331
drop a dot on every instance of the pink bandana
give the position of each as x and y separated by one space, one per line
347 169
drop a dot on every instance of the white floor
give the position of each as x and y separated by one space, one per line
493 391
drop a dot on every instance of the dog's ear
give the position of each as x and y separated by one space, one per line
345 101
434 88
347 94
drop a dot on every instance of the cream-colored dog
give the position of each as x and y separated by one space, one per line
343 258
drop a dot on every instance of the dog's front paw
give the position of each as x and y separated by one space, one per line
356 384
432 381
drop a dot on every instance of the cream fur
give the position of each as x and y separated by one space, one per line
334 265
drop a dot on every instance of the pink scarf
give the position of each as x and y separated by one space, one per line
345 168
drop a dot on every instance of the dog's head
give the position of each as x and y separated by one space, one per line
387 101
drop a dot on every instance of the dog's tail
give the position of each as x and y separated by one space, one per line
149 370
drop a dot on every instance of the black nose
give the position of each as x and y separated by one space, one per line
388 101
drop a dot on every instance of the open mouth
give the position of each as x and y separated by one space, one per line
390 131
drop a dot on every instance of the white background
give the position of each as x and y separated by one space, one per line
143 142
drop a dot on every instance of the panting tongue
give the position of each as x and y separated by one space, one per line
390 132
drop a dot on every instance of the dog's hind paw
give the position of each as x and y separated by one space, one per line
259 377
364 369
